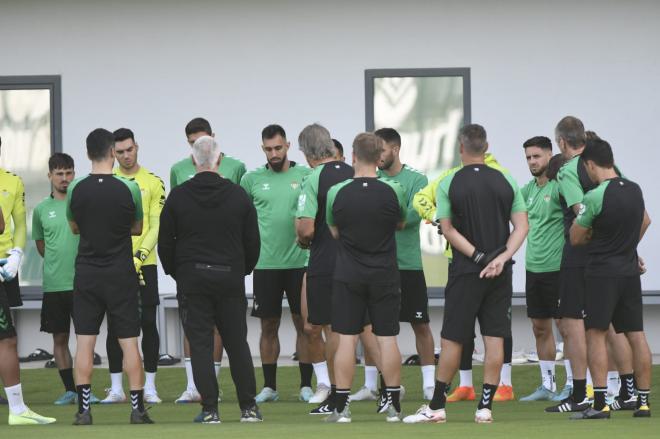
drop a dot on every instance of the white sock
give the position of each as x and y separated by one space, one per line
428 376
150 382
466 378
613 382
590 381
371 378
321 372
569 373
15 398
505 375
548 375
217 364
189 375
116 384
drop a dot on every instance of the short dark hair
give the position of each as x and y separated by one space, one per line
473 138
123 134
99 143
599 152
591 135
554 165
539 141
60 160
368 147
571 129
271 131
389 135
339 146
197 125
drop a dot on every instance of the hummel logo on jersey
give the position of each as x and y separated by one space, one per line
100 180
546 198
265 186
365 184
418 315
476 169
337 166
52 214
294 185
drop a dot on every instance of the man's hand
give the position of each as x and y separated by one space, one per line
9 265
642 265
494 267
138 259
303 245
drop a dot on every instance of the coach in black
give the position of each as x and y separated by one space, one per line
613 220
105 210
475 206
208 242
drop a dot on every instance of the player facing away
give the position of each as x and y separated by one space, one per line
274 190
59 247
182 171
105 210
613 220
476 204
363 214
152 190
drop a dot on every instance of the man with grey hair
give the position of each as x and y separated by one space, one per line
313 233
208 242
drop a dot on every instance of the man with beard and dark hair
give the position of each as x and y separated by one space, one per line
545 243
274 190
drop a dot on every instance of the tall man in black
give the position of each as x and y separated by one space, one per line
105 210
613 220
208 242
363 214
476 203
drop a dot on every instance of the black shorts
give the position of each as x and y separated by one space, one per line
319 300
269 287
615 300
13 292
542 294
467 298
351 302
571 293
414 297
97 293
149 291
7 329
56 311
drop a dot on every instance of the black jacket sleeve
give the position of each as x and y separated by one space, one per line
167 238
251 239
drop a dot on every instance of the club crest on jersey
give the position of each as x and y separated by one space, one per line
295 185
52 214
265 186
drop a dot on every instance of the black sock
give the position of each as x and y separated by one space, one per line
627 386
642 397
579 390
67 379
84 395
394 395
599 398
333 392
306 371
137 400
270 375
487 395
439 396
341 399
382 382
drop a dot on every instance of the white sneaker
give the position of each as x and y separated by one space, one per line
425 416
151 397
188 396
113 397
322 393
428 392
392 415
483 416
364 394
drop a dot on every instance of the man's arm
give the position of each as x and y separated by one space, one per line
149 240
38 230
41 247
455 239
74 227
646 222
18 216
2 222
516 238
424 201
167 239
251 239
306 212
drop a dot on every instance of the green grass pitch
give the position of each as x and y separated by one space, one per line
287 418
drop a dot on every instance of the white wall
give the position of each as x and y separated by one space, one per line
152 66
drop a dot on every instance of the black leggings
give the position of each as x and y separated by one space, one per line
150 343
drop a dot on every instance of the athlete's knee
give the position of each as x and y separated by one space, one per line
541 328
312 332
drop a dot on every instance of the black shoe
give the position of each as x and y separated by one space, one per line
325 408
138 417
84 418
592 413
208 417
38 355
50 364
620 404
642 412
168 360
413 360
251 415
568 405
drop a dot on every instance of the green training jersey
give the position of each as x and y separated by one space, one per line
230 168
408 251
49 224
545 240
275 196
